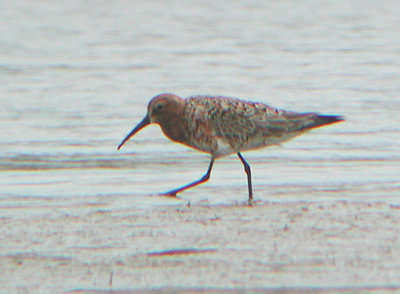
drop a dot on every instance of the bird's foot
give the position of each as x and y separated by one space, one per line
169 194
250 202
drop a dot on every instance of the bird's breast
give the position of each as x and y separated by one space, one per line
175 131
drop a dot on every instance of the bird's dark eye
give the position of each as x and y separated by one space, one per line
159 106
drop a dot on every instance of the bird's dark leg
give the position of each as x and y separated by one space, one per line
248 172
201 180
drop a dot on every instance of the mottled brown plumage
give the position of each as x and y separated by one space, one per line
221 126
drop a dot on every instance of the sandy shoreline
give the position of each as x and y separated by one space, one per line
50 246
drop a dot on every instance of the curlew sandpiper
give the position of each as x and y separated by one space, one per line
221 126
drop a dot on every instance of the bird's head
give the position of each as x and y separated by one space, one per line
161 108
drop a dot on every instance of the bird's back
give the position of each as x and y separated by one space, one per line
236 125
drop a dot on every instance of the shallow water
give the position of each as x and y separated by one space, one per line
76 76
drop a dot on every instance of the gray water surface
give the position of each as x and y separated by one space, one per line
76 76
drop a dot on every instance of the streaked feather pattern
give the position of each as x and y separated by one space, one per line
243 124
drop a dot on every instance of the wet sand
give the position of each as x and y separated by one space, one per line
105 243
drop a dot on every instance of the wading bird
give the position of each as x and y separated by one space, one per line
221 126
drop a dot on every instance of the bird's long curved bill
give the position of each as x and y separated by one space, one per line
140 126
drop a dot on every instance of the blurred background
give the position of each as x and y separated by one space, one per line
76 76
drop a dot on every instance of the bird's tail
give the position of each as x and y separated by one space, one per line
300 122
322 120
